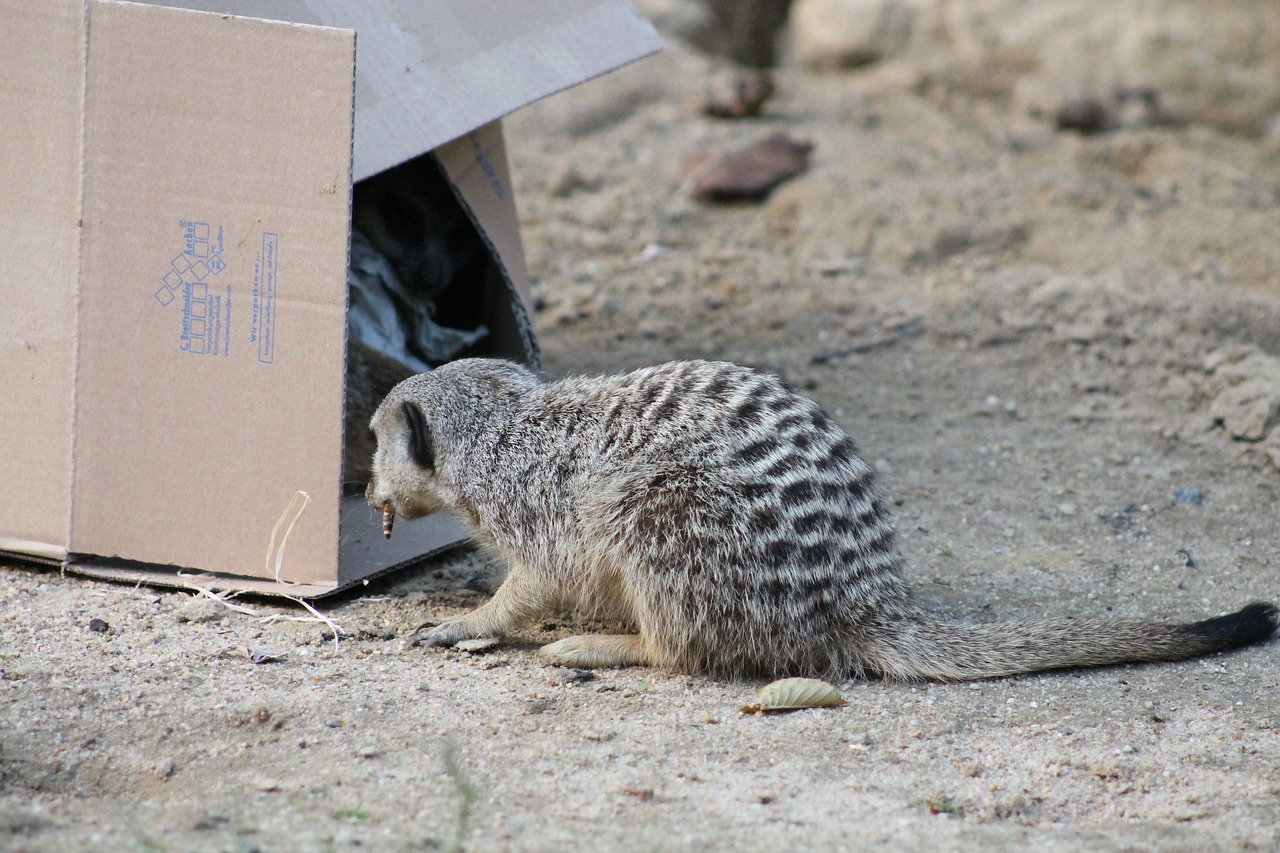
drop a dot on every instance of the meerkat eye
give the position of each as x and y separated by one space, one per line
421 446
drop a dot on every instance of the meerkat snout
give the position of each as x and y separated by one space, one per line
420 450
430 425
402 482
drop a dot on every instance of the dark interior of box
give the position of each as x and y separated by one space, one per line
425 289
410 215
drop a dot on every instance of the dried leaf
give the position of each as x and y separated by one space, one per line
793 694
261 654
942 805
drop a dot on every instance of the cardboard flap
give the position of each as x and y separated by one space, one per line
40 99
477 168
448 68
212 288
431 70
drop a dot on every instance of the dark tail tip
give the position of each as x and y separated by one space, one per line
1254 624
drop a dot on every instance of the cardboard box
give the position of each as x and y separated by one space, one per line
175 195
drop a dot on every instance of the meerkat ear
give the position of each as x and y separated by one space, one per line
421 447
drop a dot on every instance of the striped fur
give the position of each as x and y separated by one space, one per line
723 515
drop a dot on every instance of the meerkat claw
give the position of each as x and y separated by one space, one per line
440 639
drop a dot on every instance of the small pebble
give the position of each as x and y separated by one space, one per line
99 626
1191 496
479 644
200 610
211 820
537 706
574 676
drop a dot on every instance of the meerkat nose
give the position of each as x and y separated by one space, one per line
388 519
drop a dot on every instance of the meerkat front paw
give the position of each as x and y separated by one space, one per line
447 632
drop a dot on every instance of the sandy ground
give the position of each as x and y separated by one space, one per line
1018 325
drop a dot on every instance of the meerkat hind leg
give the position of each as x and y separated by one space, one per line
595 651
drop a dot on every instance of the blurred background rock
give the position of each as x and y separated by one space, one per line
1212 62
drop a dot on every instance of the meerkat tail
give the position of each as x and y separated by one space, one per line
922 648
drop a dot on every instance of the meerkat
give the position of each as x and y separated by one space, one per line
724 516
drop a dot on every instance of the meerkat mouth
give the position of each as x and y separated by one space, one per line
388 519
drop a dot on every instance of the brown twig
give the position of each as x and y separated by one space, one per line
902 333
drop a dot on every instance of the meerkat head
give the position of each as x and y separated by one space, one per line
427 427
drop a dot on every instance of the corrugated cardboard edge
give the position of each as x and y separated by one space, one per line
40 553
175 577
166 577
42 45
141 573
78 296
